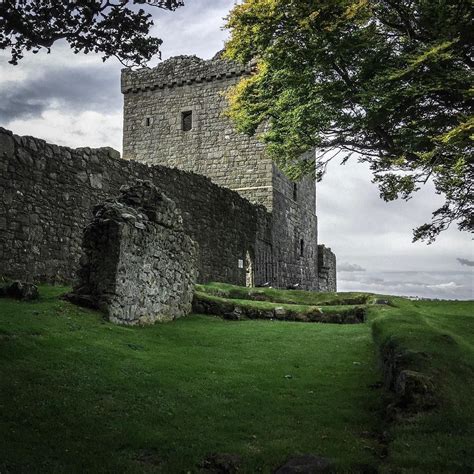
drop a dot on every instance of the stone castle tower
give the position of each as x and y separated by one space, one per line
174 116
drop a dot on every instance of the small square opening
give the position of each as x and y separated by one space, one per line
186 121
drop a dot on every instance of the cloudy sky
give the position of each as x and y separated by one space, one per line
75 100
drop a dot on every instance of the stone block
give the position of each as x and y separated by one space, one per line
7 144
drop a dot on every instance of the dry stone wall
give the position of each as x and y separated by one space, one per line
138 265
47 193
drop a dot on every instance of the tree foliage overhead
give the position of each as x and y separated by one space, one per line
389 80
107 27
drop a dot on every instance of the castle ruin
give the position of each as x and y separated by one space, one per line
251 224
174 115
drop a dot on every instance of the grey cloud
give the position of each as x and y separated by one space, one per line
465 261
75 88
350 267
359 197
377 280
195 28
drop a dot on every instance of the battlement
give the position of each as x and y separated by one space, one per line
179 71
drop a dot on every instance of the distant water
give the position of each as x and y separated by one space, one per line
449 285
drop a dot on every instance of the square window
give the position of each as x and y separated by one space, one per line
186 121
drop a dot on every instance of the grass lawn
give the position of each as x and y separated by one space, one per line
78 394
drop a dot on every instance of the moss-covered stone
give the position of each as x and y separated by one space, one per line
237 310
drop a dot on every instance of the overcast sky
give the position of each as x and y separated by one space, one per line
75 100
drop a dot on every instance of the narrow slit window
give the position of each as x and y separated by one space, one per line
295 191
148 121
301 248
187 121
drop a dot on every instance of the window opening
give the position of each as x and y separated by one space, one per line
186 121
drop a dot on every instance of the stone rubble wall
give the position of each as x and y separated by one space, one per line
235 311
327 269
138 266
47 193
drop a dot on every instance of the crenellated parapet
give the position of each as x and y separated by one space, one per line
179 71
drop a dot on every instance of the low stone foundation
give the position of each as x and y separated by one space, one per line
236 311
138 265
413 391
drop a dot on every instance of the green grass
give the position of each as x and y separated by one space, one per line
269 306
273 295
81 395
437 339
78 394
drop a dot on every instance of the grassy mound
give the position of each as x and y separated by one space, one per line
273 295
427 348
236 303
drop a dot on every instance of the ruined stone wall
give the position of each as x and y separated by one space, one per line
327 269
47 193
154 100
138 265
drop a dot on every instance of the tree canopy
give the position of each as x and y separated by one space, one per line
387 80
108 27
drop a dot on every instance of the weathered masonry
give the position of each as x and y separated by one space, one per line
326 269
138 266
47 193
251 224
174 116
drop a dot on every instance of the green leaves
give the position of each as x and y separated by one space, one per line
391 81
107 27
432 54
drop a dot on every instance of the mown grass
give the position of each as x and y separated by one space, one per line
436 338
78 394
